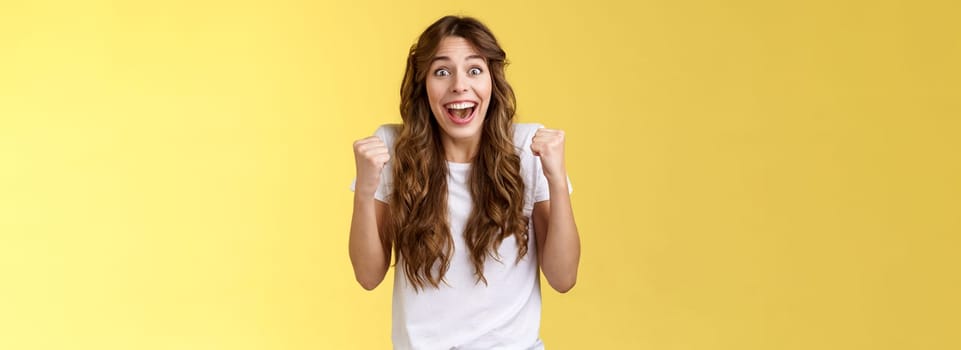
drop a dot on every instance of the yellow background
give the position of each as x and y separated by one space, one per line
748 174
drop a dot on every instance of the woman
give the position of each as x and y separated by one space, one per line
456 191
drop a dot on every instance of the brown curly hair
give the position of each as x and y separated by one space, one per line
418 223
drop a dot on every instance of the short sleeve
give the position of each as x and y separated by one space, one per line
540 189
385 186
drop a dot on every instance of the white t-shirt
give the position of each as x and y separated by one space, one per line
463 313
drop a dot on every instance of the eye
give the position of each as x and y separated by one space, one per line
443 72
475 71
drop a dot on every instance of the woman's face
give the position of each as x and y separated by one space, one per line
458 88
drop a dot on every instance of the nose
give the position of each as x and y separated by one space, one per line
459 84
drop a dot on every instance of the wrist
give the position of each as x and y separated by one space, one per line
364 192
556 179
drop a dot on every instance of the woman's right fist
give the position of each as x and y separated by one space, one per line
371 155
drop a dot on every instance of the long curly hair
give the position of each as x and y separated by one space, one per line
418 224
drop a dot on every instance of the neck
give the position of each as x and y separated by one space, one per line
460 150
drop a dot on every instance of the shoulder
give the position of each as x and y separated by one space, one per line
524 133
387 131
388 134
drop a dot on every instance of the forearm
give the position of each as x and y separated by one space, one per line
562 247
368 253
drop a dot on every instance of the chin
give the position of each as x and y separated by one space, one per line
465 132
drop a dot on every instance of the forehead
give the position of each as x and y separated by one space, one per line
455 48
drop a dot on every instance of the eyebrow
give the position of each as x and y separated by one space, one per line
445 58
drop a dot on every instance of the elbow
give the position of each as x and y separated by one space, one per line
369 279
369 276
561 279
563 285
369 283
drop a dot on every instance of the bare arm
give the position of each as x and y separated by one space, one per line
369 246
558 243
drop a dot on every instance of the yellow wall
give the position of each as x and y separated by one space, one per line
748 174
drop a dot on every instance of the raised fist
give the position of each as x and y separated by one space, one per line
370 155
549 145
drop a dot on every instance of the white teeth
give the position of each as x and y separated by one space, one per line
462 105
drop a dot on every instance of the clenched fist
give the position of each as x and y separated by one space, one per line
549 145
371 155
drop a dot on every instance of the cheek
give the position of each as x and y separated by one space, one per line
486 87
432 89
485 91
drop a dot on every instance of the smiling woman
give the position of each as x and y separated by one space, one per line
457 191
458 85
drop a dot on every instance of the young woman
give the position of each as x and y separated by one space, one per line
456 192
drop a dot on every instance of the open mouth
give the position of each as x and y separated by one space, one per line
461 112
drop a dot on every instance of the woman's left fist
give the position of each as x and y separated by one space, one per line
549 145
